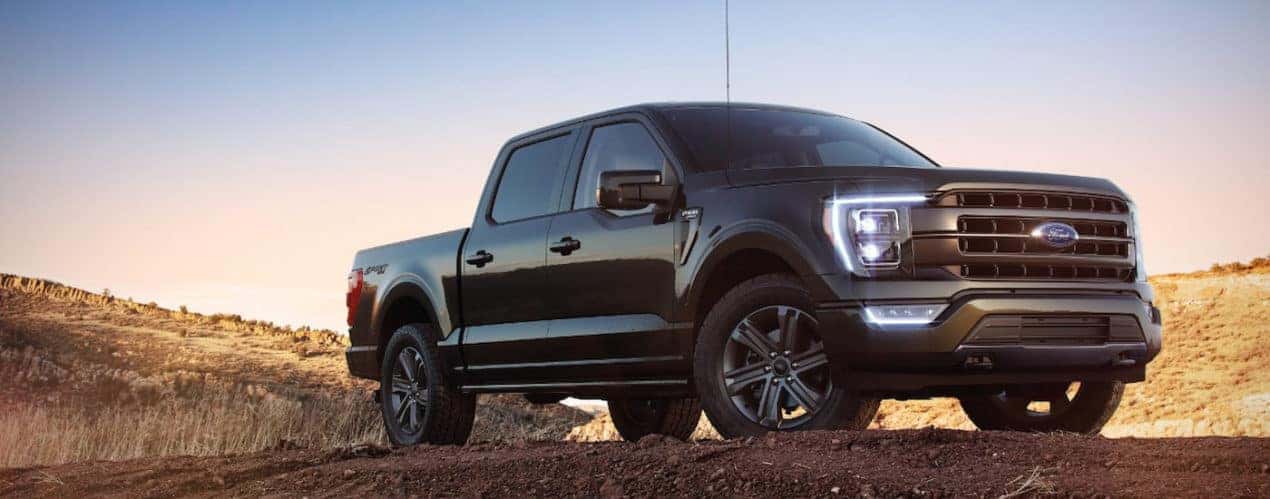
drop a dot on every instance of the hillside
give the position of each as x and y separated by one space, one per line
100 377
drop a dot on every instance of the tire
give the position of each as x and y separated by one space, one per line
433 410
1091 406
638 418
544 398
721 346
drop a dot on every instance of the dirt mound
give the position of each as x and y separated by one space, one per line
90 376
860 464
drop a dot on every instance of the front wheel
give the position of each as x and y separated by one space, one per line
418 404
760 365
1077 407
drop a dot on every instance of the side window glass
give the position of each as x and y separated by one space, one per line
529 180
623 146
848 153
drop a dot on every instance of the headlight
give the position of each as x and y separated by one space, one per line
869 232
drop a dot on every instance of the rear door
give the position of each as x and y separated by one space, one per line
504 276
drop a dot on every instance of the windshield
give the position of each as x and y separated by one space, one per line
771 138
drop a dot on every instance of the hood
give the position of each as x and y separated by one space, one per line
890 179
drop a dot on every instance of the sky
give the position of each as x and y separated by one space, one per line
233 156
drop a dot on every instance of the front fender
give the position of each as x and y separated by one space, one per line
762 235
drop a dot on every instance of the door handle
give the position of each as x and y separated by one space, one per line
480 258
566 246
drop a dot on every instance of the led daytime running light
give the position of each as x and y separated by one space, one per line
841 240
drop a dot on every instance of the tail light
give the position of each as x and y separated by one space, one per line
354 295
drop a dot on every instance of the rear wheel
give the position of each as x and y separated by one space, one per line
637 418
417 402
760 364
1078 407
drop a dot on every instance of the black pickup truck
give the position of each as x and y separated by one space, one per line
780 268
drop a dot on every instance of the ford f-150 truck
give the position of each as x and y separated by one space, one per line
780 268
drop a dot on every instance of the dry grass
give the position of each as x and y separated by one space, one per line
505 418
214 422
1031 484
91 377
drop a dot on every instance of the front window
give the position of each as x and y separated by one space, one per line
623 146
772 138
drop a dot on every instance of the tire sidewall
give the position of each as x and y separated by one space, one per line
415 335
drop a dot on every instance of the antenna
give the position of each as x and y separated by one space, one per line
727 90
727 56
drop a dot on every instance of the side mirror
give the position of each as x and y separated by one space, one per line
633 190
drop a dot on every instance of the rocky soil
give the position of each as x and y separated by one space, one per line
904 463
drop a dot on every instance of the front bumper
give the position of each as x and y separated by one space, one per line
944 354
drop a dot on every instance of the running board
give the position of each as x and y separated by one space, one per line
670 386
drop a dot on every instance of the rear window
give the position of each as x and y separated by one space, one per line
528 185
771 138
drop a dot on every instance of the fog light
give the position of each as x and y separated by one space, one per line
903 314
870 251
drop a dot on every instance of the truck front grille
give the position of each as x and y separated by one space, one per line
1041 271
1038 201
987 234
1013 235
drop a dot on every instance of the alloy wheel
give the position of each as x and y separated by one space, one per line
409 390
775 369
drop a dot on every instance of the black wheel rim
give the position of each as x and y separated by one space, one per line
409 398
775 369
1037 403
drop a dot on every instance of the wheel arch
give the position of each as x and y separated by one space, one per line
406 302
743 253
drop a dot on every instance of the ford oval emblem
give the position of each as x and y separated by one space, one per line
1056 234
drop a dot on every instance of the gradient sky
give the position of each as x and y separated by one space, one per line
233 156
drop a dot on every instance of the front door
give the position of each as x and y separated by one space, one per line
612 273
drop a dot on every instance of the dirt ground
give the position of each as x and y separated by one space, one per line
912 463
